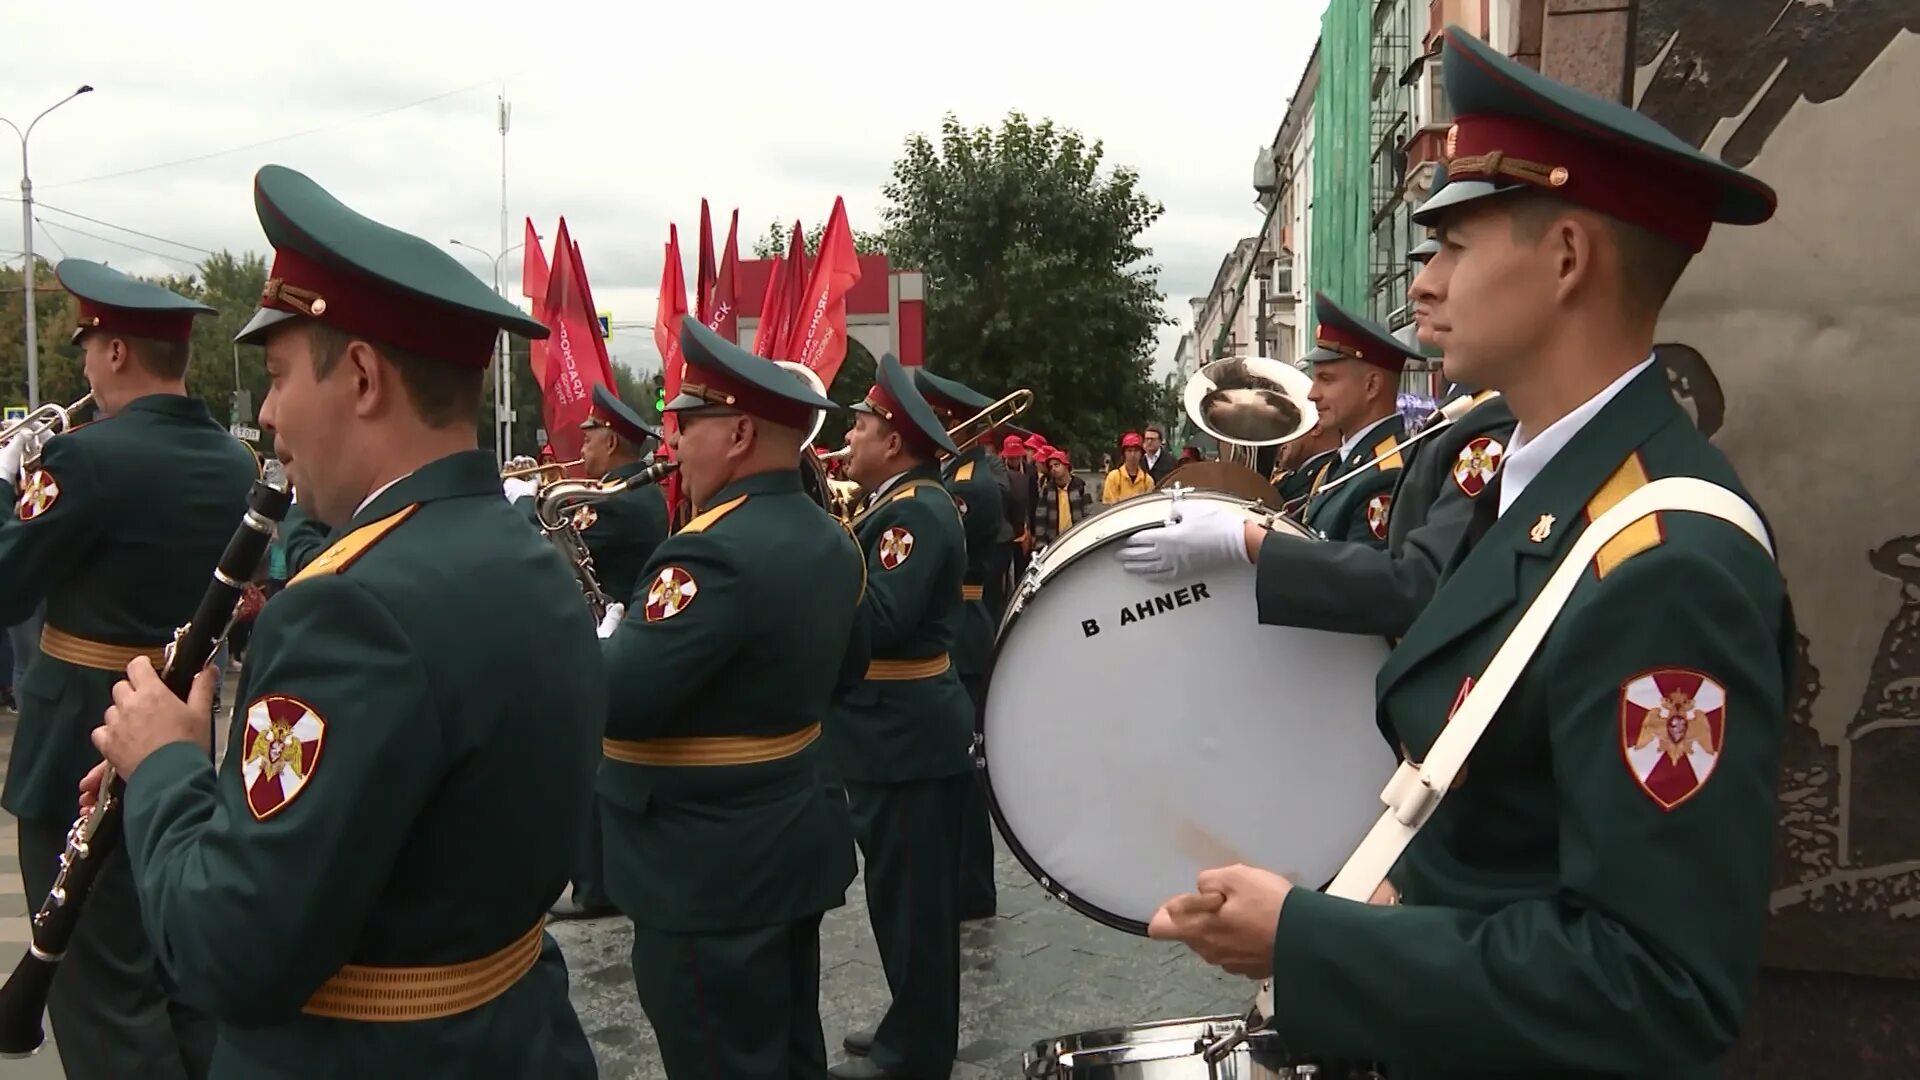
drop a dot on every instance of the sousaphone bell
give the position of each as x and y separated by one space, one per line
1245 403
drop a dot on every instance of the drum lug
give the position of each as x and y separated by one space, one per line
978 751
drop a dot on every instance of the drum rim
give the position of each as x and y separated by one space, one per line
1015 606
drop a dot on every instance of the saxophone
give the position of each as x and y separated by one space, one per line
557 507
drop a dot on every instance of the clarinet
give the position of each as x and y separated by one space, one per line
95 836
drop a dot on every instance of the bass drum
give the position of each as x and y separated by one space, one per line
1138 731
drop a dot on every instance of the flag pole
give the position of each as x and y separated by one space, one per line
503 371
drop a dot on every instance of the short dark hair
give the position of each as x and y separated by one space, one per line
1650 264
443 394
1154 426
161 359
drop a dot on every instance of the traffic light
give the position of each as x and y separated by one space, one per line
659 394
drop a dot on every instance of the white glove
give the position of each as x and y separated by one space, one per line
611 620
17 449
517 488
1207 535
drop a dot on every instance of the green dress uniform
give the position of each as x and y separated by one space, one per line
723 844
621 533
1590 900
117 529
1299 485
977 490
902 740
360 890
1356 588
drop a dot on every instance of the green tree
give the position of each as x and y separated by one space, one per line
1036 276
773 245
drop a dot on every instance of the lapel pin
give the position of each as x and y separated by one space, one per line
1541 529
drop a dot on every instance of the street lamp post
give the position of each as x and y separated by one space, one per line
26 244
503 367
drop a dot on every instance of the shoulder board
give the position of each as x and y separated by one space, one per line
705 519
348 549
912 488
1389 446
964 473
1639 536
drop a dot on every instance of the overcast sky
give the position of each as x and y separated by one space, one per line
623 117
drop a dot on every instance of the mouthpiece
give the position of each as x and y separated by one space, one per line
658 471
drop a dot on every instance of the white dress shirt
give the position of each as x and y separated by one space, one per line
1350 445
1527 454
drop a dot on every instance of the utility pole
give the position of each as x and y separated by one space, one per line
503 379
26 246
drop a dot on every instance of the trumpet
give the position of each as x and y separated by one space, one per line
56 417
558 468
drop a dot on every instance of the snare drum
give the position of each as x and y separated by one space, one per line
1138 731
1202 1048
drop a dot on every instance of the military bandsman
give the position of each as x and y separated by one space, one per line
621 533
1590 898
117 526
361 889
902 738
723 844
979 485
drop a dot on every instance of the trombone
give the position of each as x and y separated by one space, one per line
967 434
58 418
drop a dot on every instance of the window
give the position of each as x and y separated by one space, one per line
1430 97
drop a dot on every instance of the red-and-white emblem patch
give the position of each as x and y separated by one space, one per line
38 496
1473 470
584 518
960 504
1673 725
895 545
1377 508
284 739
672 590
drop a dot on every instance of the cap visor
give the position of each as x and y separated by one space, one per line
1324 356
1458 193
685 401
861 406
254 333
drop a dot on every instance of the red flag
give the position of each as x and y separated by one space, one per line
773 306
533 285
723 313
703 280
666 319
577 358
818 337
796 282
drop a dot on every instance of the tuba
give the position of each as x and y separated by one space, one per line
1245 403
556 507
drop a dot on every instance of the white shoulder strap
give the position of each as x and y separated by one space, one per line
1416 790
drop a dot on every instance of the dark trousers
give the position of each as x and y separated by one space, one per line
976 898
909 835
590 864
111 1019
734 1003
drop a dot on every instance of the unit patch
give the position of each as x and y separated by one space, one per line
1473 470
896 544
672 590
38 496
284 739
1377 508
1673 725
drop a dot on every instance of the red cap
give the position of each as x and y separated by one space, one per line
362 305
1013 447
1131 438
1054 453
1334 337
176 325
1604 175
890 410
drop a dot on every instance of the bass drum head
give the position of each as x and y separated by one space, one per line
1139 731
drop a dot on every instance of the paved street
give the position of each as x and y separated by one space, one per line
1037 970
